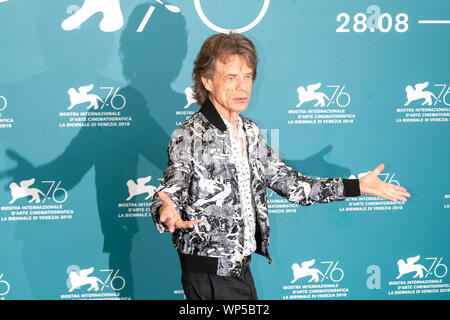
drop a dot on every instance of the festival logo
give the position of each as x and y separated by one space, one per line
310 94
305 270
31 203
416 276
416 270
418 93
140 187
87 284
322 105
137 204
23 190
316 281
410 266
86 108
82 95
425 103
79 278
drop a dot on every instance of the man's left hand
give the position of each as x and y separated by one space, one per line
370 184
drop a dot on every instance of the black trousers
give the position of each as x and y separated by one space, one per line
204 286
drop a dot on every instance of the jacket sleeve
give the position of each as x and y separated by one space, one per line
301 189
176 177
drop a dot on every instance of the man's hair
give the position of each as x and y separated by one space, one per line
220 47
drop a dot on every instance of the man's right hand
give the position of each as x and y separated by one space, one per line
170 217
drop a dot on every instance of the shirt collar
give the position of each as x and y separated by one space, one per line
230 126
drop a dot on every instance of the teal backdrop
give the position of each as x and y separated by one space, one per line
90 92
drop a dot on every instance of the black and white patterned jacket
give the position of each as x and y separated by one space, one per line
202 183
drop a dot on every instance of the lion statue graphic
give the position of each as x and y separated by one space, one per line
410 266
78 278
22 191
305 271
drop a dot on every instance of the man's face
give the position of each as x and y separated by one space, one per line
231 85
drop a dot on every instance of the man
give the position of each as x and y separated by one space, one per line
213 193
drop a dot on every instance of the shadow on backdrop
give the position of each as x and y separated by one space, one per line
317 166
151 61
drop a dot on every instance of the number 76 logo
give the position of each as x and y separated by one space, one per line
333 272
23 190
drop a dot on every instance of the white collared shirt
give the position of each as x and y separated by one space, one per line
239 157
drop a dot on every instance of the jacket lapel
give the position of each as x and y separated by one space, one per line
212 115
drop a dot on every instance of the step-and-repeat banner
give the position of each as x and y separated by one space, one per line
90 92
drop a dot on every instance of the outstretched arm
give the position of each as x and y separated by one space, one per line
304 190
298 188
168 203
370 184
